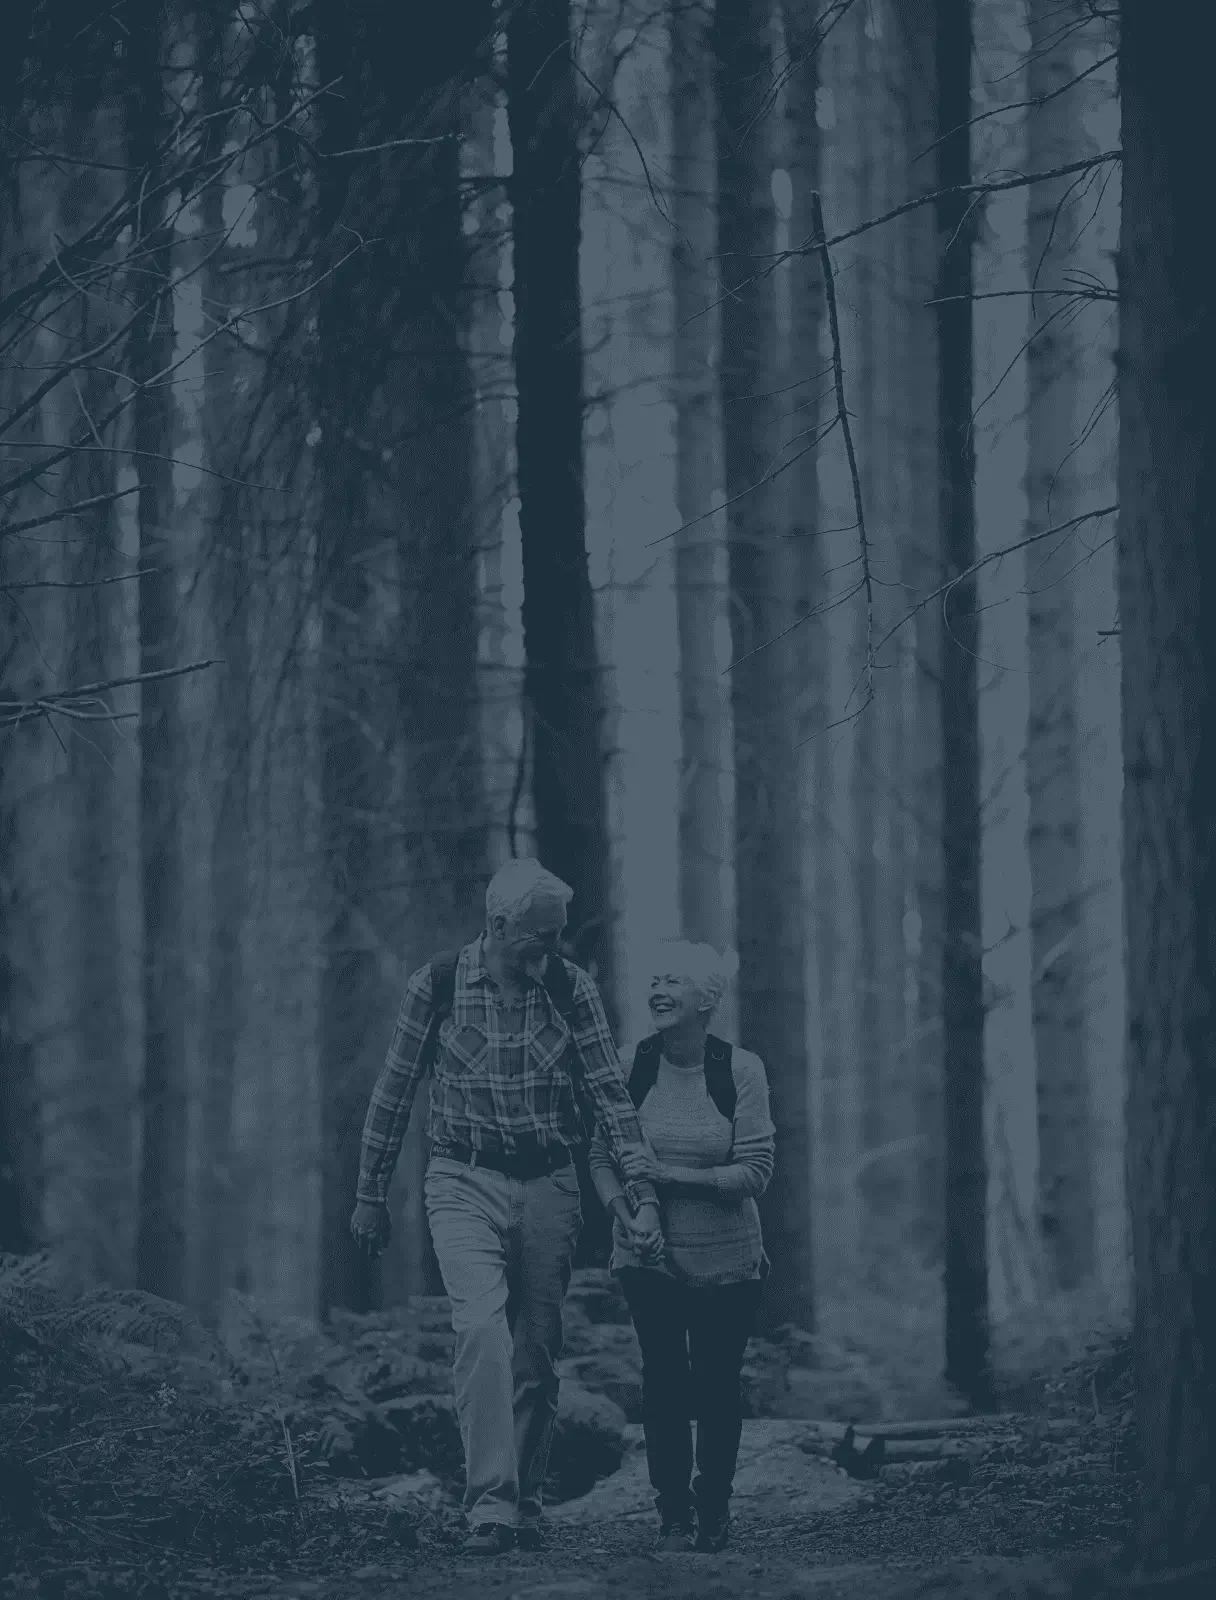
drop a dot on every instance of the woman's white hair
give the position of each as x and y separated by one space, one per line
698 964
515 886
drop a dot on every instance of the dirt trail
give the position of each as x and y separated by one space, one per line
801 1528
136 1459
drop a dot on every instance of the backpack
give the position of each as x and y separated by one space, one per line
719 1078
558 985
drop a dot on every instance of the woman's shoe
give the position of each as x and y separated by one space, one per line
676 1534
713 1533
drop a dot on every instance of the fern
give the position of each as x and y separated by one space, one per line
131 1316
29 1285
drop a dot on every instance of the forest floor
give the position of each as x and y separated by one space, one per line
141 1456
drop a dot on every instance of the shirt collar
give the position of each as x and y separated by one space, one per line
475 966
476 970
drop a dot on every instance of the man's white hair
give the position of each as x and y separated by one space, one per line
699 964
515 886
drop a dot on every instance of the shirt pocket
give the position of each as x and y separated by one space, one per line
464 1054
547 1045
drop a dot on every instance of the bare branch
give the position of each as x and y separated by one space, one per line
1021 180
79 506
842 413
69 702
81 583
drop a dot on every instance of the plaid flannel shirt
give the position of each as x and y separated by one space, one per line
496 1090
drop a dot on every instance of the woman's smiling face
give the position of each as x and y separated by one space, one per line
674 1000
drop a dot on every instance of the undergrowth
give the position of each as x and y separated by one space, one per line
129 1434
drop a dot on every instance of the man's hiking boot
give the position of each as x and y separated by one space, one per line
530 1536
676 1533
490 1539
713 1533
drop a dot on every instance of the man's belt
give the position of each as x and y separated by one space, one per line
535 1163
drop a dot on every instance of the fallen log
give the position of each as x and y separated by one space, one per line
932 1429
897 1451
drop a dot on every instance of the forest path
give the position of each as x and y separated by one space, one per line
801 1528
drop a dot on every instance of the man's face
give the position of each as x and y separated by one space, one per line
528 940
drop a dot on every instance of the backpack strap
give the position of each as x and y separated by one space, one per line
719 1074
443 997
559 986
720 1077
645 1068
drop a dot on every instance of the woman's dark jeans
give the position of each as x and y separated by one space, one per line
693 1342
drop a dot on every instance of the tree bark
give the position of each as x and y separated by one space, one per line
836 1078
707 808
228 374
161 1244
966 1266
102 859
401 778
1167 596
1000 324
1099 724
631 466
920 569
1055 358
20 1133
445 838
561 676
765 589
356 566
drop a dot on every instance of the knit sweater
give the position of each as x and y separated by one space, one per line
711 1233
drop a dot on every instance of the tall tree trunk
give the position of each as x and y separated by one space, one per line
765 590
228 373
20 1133
962 976
861 107
41 1084
1000 327
357 558
919 566
192 85
161 1244
836 1078
278 1127
444 847
800 306
489 337
1099 725
707 803
401 775
101 860
877 392
630 456
1167 597
493 508
1055 359
631 468
219 1224
561 676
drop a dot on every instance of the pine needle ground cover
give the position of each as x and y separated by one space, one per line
144 1454
135 1443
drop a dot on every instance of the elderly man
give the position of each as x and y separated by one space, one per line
522 1044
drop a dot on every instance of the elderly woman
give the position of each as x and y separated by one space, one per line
708 1149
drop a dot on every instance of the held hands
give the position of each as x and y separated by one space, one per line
371 1227
647 1235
